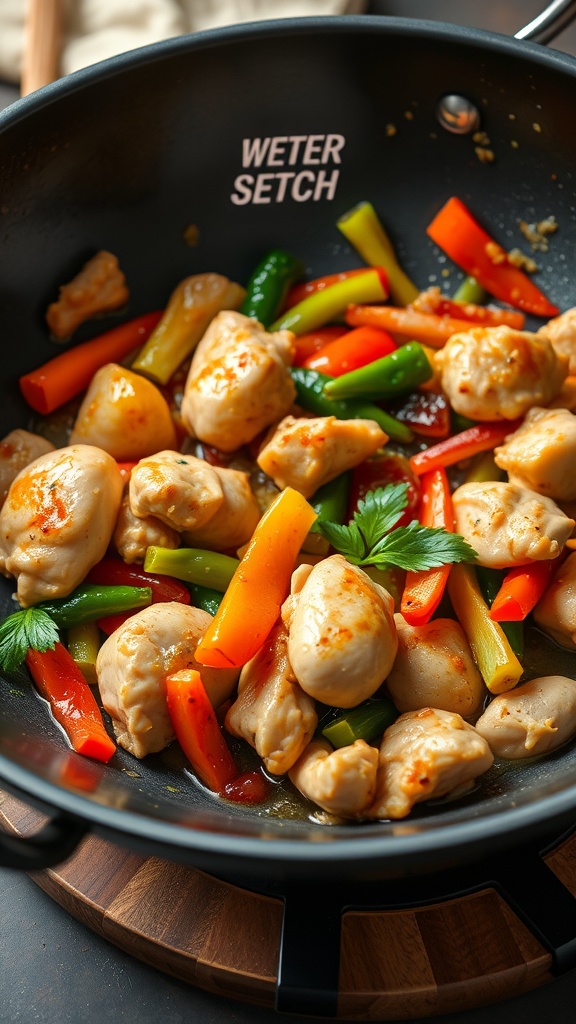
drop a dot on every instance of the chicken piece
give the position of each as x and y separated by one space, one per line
561 333
57 520
98 288
272 713
307 452
132 536
541 453
434 667
423 754
182 491
509 525
238 382
342 781
555 612
125 414
132 666
497 373
342 638
233 524
532 719
17 450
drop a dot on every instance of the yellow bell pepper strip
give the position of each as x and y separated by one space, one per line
59 680
490 581
361 226
303 289
395 374
197 730
481 437
83 643
424 590
191 307
328 304
496 661
261 583
426 327
193 565
269 285
461 237
310 395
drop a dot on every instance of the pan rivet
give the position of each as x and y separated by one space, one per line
457 114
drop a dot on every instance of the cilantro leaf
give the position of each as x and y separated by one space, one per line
372 538
29 627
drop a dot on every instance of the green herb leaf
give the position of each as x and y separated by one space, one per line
30 627
372 538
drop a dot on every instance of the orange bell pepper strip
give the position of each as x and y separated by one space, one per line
351 351
423 590
461 237
425 327
197 729
260 584
303 289
482 437
521 589
59 680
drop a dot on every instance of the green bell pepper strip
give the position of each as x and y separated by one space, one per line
193 565
392 375
362 227
490 581
269 284
365 722
310 394
324 306
92 601
330 502
207 598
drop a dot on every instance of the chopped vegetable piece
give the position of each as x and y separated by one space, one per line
483 469
425 412
351 350
69 373
482 316
207 598
330 502
481 437
113 571
497 663
250 788
194 565
470 291
83 642
379 471
306 345
191 307
269 284
365 722
323 306
424 590
461 237
362 227
59 680
197 730
490 581
426 327
92 601
310 394
252 602
394 374
522 588
301 291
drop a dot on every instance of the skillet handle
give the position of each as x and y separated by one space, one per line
51 845
550 22
310 951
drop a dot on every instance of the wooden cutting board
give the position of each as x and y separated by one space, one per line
395 964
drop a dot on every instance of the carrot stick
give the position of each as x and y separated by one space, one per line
69 373
522 588
197 730
427 327
423 590
252 602
59 680
482 437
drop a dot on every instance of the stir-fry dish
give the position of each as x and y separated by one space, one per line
305 517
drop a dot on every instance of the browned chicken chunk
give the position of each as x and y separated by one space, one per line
99 288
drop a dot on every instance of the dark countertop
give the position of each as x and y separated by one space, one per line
53 969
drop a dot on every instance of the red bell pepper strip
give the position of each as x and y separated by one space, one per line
425 412
307 344
521 589
482 437
425 327
303 289
113 571
423 591
69 373
351 351
59 680
461 237
379 471
197 730
481 316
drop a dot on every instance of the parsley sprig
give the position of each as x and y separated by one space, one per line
372 537
30 627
